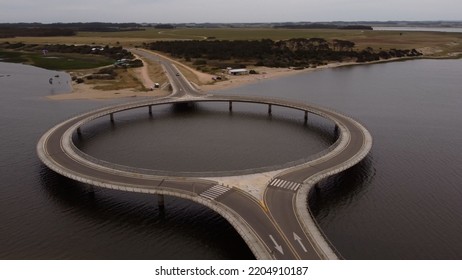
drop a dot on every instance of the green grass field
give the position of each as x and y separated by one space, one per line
13 57
57 61
219 33
440 42
70 61
437 43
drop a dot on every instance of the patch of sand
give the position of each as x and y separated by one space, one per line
264 73
143 75
203 81
429 50
206 82
86 91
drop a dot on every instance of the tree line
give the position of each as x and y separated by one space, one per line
11 30
299 52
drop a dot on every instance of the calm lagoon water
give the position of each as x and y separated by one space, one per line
402 202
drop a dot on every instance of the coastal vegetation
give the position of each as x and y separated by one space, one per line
62 56
210 47
105 67
431 44
209 55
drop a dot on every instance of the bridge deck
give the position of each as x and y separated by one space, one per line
278 227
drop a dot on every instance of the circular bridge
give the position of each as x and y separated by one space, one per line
276 225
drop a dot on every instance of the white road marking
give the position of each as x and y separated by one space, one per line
289 185
299 240
276 245
214 192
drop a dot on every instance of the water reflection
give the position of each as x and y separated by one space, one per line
342 189
139 226
206 138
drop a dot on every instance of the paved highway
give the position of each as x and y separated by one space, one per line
277 227
181 86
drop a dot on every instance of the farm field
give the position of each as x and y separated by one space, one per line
435 44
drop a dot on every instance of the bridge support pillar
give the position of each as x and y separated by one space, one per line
336 129
161 201
230 106
112 117
306 117
150 110
269 109
79 132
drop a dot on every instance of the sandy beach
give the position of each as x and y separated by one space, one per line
264 73
86 91
203 82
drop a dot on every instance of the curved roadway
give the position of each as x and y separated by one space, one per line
277 227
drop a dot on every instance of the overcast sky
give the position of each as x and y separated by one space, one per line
200 11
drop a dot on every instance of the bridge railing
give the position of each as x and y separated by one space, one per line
102 112
77 154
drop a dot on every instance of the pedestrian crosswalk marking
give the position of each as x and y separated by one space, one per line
289 185
277 182
214 192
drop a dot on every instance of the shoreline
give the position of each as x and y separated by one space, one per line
266 73
86 91
276 73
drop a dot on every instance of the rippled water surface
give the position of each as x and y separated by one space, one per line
402 202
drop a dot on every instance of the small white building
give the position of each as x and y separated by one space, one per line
238 72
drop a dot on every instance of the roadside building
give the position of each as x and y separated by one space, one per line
237 72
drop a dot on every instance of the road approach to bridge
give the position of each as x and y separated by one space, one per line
275 225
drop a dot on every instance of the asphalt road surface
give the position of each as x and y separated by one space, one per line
273 228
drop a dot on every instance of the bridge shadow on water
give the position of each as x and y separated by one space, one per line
341 189
184 107
135 224
337 192
183 230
